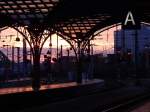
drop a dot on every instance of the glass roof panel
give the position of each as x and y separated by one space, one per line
27 8
37 1
6 7
28 1
41 6
23 6
19 2
11 11
32 6
25 11
10 2
14 6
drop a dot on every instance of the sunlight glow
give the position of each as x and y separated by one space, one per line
8 37
102 43
54 42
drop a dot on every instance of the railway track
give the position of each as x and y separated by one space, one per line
125 106
121 100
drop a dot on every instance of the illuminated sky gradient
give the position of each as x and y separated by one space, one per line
102 43
5 36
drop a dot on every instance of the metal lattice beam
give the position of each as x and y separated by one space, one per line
23 11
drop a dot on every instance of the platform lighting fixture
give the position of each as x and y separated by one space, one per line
17 38
3 41
70 48
50 44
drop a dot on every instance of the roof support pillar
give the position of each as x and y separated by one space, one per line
36 68
36 36
79 62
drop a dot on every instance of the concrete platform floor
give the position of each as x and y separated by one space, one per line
11 90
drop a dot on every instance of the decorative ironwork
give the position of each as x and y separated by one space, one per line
75 20
24 11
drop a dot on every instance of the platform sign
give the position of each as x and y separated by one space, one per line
131 21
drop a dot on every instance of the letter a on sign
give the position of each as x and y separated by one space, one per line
129 18
130 22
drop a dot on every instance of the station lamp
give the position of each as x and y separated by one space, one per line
17 38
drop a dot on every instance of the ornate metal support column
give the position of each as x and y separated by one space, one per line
36 69
36 36
24 57
36 33
79 63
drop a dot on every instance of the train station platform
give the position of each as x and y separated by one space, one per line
18 98
11 90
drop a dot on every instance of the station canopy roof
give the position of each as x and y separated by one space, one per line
70 17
